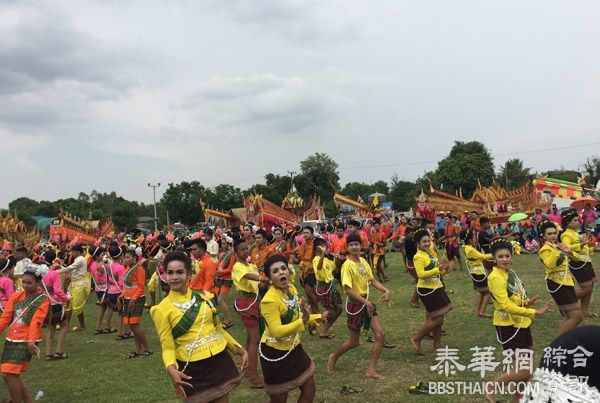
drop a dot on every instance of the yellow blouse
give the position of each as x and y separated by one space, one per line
273 307
508 311
555 262
428 271
475 259
357 276
571 239
205 338
241 283
325 274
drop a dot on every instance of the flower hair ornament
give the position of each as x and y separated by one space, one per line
37 270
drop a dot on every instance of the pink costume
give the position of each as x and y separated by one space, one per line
115 274
52 285
7 287
99 275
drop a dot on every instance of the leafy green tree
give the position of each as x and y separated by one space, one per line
24 205
356 189
182 200
464 166
124 215
319 175
402 193
513 174
592 171
281 184
225 197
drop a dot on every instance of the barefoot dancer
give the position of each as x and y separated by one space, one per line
579 260
559 280
284 363
512 317
430 290
192 340
356 278
326 290
477 272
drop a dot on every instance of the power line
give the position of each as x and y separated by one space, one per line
493 154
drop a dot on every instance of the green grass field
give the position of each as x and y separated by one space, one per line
98 370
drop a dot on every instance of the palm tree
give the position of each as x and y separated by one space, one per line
512 175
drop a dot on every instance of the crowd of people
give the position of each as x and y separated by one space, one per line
185 283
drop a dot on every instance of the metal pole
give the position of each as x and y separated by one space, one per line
154 197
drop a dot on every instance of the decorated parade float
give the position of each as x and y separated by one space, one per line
265 213
492 201
13 231
69 228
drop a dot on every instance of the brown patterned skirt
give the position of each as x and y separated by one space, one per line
514 338
211 378
437 302
584 275
564 296
288 374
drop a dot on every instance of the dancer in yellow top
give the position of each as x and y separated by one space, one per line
559 280
192 339
512 315
285 364
431 290
362 313
477 272
579 259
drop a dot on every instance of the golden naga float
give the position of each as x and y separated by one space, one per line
492 201
13 231
67 228
265 213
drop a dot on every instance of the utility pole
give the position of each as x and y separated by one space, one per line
154 196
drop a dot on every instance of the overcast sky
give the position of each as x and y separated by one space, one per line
111 95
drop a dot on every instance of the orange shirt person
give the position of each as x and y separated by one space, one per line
133 299
204 280
261 250
23 315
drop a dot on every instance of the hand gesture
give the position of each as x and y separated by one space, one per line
544 309
305 312
33 349
386 298
244 358
321 250
533 300
178 379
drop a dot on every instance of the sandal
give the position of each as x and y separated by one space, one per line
227 325
49 357
347 390
108 330
60 356
312 330
388 345
135 354
124 336
98 331
148 352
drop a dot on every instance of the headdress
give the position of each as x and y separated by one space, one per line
500 243
37 270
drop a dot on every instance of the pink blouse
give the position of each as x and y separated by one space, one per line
115 273
52 285
99 275
7 288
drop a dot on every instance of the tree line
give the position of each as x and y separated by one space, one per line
465 165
